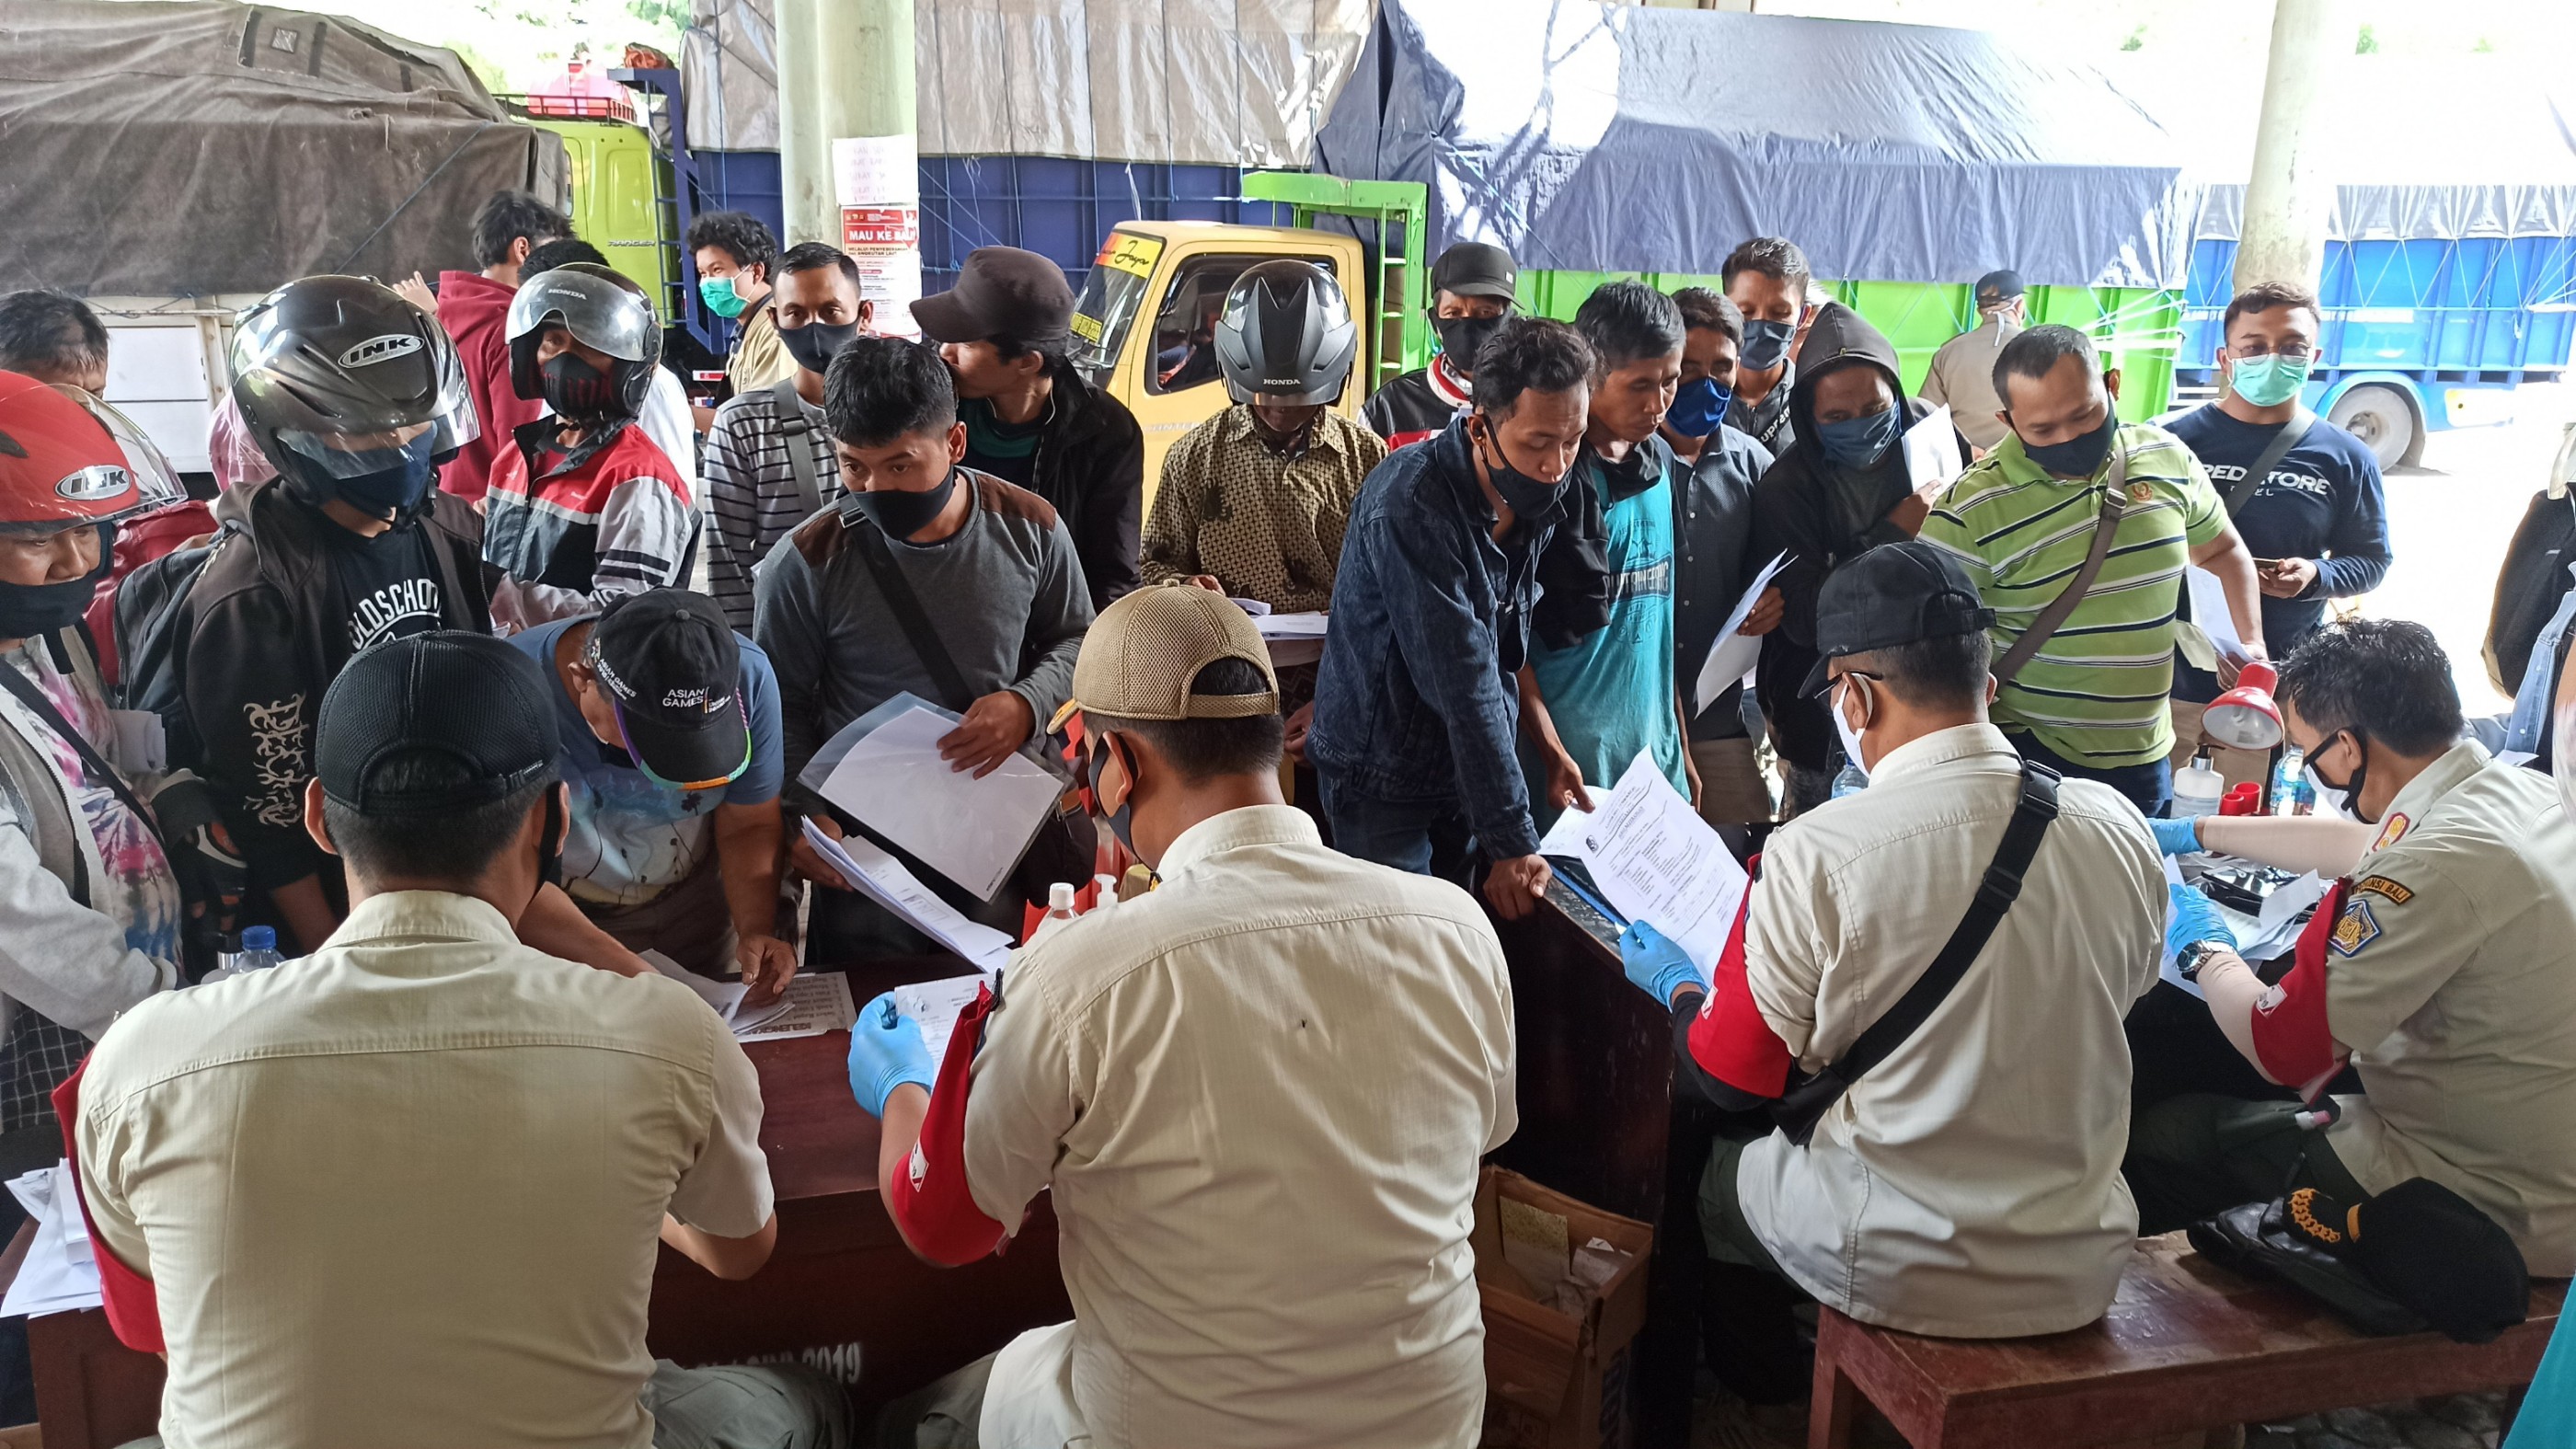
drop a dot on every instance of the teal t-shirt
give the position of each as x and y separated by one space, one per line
1612 694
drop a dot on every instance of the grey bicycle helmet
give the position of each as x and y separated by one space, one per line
341 382
1286 335
601 309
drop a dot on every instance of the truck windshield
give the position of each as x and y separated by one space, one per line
1101 316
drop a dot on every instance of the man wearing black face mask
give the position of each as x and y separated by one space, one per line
1471 292
1767 278
769 461
1840 490
990 567
2089 698
355 396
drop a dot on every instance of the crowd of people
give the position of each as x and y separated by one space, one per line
496 664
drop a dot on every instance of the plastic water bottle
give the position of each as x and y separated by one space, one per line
2290 783
258 952
1059 911
1851 781
2198 790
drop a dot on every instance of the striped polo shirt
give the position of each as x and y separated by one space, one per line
752 499
2096 691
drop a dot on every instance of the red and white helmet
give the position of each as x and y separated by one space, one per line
62 461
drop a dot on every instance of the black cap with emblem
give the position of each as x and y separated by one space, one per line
669 662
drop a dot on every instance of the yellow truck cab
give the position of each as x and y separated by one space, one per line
1143 326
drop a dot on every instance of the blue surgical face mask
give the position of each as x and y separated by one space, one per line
1766 344
1858 442
1698 407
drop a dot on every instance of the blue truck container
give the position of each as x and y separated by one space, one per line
2420 335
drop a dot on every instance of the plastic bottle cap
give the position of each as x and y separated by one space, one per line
259 938
1060 896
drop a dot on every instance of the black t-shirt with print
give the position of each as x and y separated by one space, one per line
385 587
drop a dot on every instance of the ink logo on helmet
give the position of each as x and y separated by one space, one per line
94 484
380 349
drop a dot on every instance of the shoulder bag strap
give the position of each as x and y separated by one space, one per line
908 612
2115 501
1995 896
800 454
24 690
2273 452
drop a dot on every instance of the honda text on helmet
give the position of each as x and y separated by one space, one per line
1286 337
602 313
61 469
352 392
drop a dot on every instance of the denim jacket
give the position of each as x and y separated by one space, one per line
1416 700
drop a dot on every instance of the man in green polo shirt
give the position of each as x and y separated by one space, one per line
2091 701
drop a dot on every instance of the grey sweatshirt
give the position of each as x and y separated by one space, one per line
1004 592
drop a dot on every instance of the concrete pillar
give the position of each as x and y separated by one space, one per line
844 69
2291 193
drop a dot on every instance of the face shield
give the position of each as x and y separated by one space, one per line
156 483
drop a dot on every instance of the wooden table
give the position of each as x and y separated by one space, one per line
840 1274
1598 1121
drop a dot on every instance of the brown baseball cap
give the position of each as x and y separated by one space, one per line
1001 292
1144 651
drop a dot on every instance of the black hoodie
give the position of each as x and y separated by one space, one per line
1821 515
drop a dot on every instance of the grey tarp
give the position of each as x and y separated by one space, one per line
203 147
1607 138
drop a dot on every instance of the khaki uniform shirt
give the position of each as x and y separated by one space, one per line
1963 376
1268 527
2452 976
407 1190
1259 1094
1968 1186
759 358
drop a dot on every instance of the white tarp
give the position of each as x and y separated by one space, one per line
1191 82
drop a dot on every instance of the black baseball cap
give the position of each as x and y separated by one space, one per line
2000 285
1001 292
674 674
1897 593
468 696
1474 269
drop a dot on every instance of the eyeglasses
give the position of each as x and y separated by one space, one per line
2287 351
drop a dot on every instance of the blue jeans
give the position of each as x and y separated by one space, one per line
1425 837
2148 786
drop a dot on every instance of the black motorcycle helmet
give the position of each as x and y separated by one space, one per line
335 376
602 309
1286 334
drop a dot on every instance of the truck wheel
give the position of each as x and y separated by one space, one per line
2383 418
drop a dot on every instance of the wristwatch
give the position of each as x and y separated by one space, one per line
2189 960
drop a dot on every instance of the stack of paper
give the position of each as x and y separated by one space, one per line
936 1005
724 998
1294 639
890 778
881 878
1656 860
61 1270
814 1003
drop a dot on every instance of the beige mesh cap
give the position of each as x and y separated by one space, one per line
1142 652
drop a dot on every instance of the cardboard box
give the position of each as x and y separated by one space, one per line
1555 1380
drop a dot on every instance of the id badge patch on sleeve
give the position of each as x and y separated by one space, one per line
2357 928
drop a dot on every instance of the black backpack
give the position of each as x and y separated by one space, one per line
2529 586
152 624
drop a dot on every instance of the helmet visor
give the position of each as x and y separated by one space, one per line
156 483
361 455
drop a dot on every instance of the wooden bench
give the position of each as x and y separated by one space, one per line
2186 1346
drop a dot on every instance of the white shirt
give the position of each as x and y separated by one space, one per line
667 420
1968 1186
407 1190
1259 1094
2452 976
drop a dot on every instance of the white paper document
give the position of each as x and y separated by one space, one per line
1658 862
881 878
1731 656
972 831
1294 639
724 998
60 1273
813 1004
937 1005
1932 458
2209 611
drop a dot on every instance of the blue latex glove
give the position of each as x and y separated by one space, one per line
1655 963
886 1051
2177 837
2195 918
